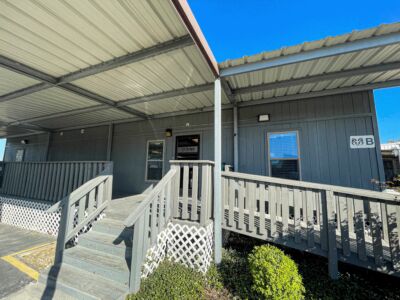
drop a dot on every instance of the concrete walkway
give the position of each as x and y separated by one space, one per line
12 240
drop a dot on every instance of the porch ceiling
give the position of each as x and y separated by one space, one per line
75 63
360 60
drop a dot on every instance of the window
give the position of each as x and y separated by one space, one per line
187 147
284 156
155 160
19 155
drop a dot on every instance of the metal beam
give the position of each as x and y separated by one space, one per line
29 127
25 91
344 48
63 114
166 95
100 99
120 104
26 70
129 58
64 81
343 90
53 82
228 90
92 70
317 78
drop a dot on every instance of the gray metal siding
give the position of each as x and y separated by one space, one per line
73 145
130 142
324 125
35 150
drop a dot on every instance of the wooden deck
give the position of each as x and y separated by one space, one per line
355 226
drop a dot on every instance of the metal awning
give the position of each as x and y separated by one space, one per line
71 64
360 60
75 63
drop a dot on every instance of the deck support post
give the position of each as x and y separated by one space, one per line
217 172
235 139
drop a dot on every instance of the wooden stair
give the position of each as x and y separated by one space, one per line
98 267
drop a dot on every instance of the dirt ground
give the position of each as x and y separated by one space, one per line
39 258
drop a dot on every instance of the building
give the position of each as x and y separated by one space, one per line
391 160
78 88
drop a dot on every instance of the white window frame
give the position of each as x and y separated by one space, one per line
147 159
298 150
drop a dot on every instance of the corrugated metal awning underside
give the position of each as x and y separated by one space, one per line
62 38
374 67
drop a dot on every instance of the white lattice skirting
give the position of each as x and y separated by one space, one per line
29 215
32 215
191 245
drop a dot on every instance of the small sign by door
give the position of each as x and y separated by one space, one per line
362 141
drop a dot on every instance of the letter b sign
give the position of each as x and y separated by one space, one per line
362 141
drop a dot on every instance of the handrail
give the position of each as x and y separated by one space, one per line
148 219
78 193
317 186
82 205
132 218
83 189
210 162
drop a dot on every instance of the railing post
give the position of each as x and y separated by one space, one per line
137 254
205 193
62 232
175 191
330 219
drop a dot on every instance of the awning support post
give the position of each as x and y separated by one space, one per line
235 139
217 172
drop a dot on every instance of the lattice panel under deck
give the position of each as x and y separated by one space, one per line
191 245
30 215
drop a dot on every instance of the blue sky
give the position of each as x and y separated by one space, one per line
235 28
2 145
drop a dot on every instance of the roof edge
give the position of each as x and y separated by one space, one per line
189 20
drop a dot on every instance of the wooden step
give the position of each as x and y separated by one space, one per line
81 284
106 243
102 264
113 227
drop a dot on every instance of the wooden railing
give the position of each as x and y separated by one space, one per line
81 207
195 198
48 181
356 226
148 219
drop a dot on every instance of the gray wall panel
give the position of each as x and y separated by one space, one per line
73 145
324 126
35 150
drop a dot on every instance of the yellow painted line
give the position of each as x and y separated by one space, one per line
21 266
30 249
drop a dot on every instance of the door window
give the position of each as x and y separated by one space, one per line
155 160
187 147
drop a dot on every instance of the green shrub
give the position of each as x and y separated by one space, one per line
171 281
235 274
275 275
